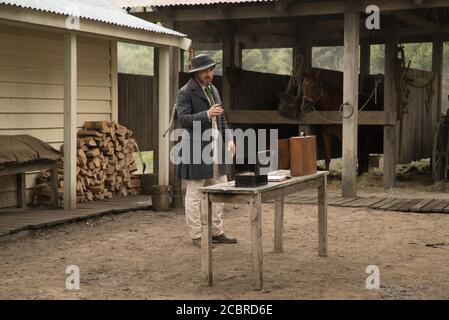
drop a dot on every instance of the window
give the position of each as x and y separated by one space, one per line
135 59
420 55
330 58
147 159
377 59
277 61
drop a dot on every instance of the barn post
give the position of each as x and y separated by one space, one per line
175 65
350 95
228 47
164 115
304 42
114 81
365 57
70 119
155 113
437 67
238 55
389 26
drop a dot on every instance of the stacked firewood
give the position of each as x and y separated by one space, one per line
105 164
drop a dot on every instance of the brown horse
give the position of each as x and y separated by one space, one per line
318 95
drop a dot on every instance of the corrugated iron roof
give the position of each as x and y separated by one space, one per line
98 10
166 3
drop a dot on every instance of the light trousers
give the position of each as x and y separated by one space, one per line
193 206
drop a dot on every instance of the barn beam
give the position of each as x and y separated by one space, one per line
283 5
389 27
70 115
255 116
331 28
417 21
331 41
350 95
308 8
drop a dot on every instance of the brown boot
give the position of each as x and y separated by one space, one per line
222 238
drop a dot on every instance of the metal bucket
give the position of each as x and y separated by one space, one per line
160 198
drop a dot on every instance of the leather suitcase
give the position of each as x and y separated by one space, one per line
283 154
302 155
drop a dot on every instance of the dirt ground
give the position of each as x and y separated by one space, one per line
148 255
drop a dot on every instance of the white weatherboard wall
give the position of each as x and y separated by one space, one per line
32 90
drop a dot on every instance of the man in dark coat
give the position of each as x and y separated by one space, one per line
205 141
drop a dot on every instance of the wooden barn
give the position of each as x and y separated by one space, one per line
250 98
58 69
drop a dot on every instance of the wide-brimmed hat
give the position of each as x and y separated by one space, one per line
201 62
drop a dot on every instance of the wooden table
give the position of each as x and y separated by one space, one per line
21 169
227 193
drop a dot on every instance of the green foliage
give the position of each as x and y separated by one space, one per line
277 61
327 58
135 59
377 58
147 158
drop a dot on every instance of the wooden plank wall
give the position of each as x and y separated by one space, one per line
135 105
31 89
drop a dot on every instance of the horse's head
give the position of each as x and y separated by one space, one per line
312 91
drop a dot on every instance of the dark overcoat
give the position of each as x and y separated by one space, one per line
192 105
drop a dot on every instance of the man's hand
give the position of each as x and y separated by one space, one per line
214 110
231 148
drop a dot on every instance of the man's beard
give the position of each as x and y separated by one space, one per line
207 81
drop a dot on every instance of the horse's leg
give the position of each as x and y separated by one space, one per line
363 151
327 141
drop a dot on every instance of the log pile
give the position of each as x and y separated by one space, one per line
105 165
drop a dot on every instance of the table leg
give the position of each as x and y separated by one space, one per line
21 190
279 224
322 218
256 241
206 240
54 185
